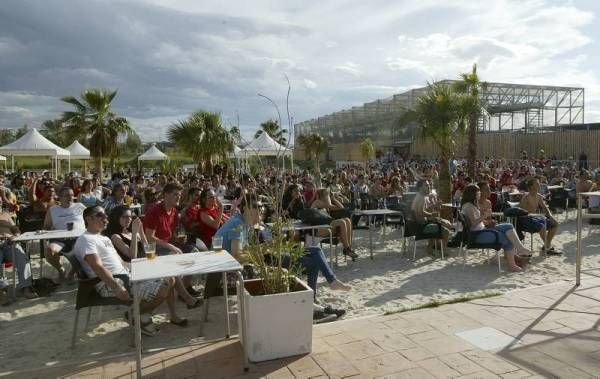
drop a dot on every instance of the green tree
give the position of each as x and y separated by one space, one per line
54 130
272 128
367 150
21 131
133 143
442 114
203 137
7 136
314 147
94 120
470 86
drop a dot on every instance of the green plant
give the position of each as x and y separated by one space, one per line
94 121
366 150
314 146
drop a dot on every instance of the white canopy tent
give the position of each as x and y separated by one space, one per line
237 153
33 144
265 146
152 154
78 151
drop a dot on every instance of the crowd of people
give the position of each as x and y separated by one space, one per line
183 212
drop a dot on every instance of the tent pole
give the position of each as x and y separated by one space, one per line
12 159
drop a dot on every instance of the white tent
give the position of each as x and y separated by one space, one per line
33 144
236 153
153 154
264 145
78 151
2 158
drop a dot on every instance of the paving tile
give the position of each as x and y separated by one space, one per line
428 335
438 368
480 375
417 354
335 364
519 374
383 364
490 361
445 345
319 345
393 342
543 364
339 339
412 373
460 363
359 349
305 367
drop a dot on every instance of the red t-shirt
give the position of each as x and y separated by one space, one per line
162 222
191 216
206 231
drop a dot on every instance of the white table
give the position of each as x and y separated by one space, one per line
182 265
375 212
580 217
40 235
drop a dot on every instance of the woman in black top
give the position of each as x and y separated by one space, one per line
121 230
292 202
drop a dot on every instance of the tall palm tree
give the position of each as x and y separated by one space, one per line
366 150
272 128
442 114
470 85
93 120
314 146
203 137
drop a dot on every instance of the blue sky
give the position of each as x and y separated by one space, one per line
169 58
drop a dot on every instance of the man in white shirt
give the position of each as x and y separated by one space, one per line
217 187
99 259
62 216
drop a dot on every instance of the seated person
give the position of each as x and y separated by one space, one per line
378 190
480 218
423 212
189 214
396 187
292 202
121 231
210 216
8 230
57 218
99 259
235 234
342 227
160 226
546 226
116 198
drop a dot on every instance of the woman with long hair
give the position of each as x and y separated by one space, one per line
210 216
514 250
87 196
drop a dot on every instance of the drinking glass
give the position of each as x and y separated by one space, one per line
150 250
217 243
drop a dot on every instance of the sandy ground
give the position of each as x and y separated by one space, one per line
37 333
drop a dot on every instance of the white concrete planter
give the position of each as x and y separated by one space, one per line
277 325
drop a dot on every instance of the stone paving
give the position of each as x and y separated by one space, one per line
556 332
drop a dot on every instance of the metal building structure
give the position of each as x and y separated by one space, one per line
508 107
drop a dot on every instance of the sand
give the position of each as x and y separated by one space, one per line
37 333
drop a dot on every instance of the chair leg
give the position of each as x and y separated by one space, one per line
87 320
403 239
206 303
464 254
442 248
498 258
414 248
75 324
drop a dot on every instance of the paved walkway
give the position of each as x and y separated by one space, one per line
551 331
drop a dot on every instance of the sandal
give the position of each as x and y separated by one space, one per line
196 304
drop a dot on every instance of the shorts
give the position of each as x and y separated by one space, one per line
533 224
147 291
61 245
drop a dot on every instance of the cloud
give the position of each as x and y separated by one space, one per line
169 58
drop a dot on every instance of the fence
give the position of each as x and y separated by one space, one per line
563 145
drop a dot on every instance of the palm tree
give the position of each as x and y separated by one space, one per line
314 146
94 121
203 137
54 130
272 128
366 150
470 86
442 113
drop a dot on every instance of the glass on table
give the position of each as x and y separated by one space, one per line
217 243
150 249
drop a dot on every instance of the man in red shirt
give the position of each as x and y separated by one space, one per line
160 226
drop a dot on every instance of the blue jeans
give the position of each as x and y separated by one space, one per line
312 262
502 229
21 264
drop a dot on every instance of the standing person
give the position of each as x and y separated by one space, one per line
8 231
59 217
546 226
160 226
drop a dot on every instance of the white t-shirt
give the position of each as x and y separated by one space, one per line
88 244
61 216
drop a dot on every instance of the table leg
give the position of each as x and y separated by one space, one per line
137 331
579 252
370 236
14 272
42 253
242 324
226 296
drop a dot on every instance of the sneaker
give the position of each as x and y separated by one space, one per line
320 317
552 251
333 311
193 292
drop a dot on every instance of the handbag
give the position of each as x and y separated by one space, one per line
314 216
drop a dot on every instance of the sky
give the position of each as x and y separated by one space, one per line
169 58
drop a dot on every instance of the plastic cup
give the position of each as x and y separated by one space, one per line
150 250
69 226
217 243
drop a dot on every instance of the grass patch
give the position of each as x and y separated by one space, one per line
436 303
